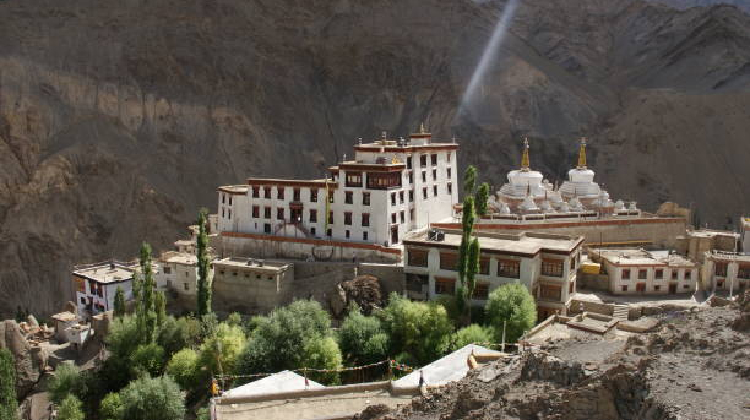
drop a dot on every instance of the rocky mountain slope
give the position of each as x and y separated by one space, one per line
119 119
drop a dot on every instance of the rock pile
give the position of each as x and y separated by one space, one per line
363 290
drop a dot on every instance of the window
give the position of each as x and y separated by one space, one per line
448 260
411 214
247 275
481 291
329 232
408 162
364 236
312 231
393 198
448 157
417 257
552 268
434 190
743 272
721 269
256 192
222 213
411 177
267 192
433 159
256 212
445 286
625 288
550 292
401 216
642 274
83 300
424 193
314 195
229 214
423 160
686 286
330 196
434 174
267 228
411 196
347 219
657 287
365 199
354 179
424 176
167 270
484 266
349 197
509 269
687 274
393 218
223 198
234 273
230 200
625 274
187 286
280 213
313 216
401 197
257 277
675 274
266 212
330 218
448 173
365 219
295 195
280 193
659 273
347 234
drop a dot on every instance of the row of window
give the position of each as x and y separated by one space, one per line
447 286
423 160
625 274
721 268
505 268
641 287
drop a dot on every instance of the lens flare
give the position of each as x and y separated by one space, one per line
489 55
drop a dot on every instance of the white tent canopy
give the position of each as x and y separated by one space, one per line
450 368
285 381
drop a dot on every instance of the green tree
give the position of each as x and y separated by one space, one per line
470 178
111 407
421 330
149 398
481 197
184 369
8 401
284 340
362 339
204 282
472 267
178 333
146 313
234 319
472 334
220 351
70 409
119 307
467 229
322 353
512 305
67 380
160 303
147 358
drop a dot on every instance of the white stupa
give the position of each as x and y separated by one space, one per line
580 181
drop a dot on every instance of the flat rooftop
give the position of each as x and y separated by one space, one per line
729 256
234 189
105 272
707 233
637 256
178 257
250 262
526 243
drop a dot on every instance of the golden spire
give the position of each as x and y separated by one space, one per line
525 155
582 154
422 130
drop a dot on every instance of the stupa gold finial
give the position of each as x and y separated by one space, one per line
582 154
525 155
422 130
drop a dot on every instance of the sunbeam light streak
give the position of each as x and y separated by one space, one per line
489 54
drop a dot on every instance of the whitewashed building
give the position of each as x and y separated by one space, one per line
726 272
639 272
546 264
745 234
388 189
95 286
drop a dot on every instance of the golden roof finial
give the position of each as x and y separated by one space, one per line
582 154
422 130
525 155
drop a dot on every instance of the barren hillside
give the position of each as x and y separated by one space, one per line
119 119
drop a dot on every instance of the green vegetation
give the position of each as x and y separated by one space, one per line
512 306
119 305
184 369
145 310
482 197
70 409
8 402
472 334
362 339
204 283
68 380
111 407
149 398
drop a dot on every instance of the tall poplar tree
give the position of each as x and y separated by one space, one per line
145 308
8 402
160 307
482 197
204 283
119 307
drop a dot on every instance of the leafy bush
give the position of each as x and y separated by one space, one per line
286 339
110 407
472 334
178 333
420 329
224 345
8 402
70 409
362 338
510 303
149 398
184 369
147 358
68 380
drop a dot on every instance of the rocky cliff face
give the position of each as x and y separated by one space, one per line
118 120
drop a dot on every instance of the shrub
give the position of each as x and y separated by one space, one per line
147 358
511 304
472 334
149 398
68 380
184 369
70 409
225 344
8 402
111 407
362 339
